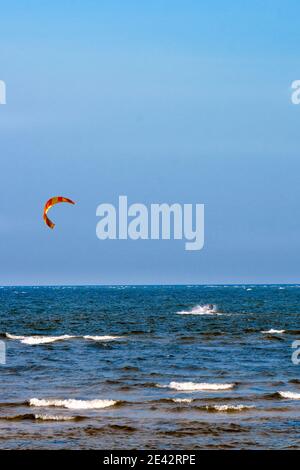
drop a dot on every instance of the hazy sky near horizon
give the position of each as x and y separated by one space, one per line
163 101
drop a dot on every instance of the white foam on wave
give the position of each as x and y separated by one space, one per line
290 395
38 339
8 335
101 338
273 331
208 309
229 408
54 417
72 403
193 387
182 400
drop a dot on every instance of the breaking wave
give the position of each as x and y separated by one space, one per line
182 400
55 417
36 339
101 338
290 395
208 309
229 408
73 404
191 386
272 331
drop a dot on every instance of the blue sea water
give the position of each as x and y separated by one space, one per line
150 367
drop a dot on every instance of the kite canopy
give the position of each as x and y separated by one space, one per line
51 202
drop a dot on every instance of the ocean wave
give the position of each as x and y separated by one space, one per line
229 408
72 404
38 339
222 408
101 338
290 395
191 386
182 400
55 417
12 404
208 309
109 429
41 417
272 331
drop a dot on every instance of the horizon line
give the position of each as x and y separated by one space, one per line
156 285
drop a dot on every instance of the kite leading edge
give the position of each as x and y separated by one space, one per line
51 202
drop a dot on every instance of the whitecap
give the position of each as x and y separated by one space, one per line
272 331
8 335
38 339
54 417
101 338
182 400
228 408
290 395
208 309
72 403
191 386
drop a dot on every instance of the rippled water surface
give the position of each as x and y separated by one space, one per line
146 367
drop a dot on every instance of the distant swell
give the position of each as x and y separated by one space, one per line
201 310
191 386
12 404
72 404
110 429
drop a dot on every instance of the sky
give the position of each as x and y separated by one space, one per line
162 101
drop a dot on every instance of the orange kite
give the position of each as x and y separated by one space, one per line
51 202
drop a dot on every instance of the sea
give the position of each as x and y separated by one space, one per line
150 367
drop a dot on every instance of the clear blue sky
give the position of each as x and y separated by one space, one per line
164 101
